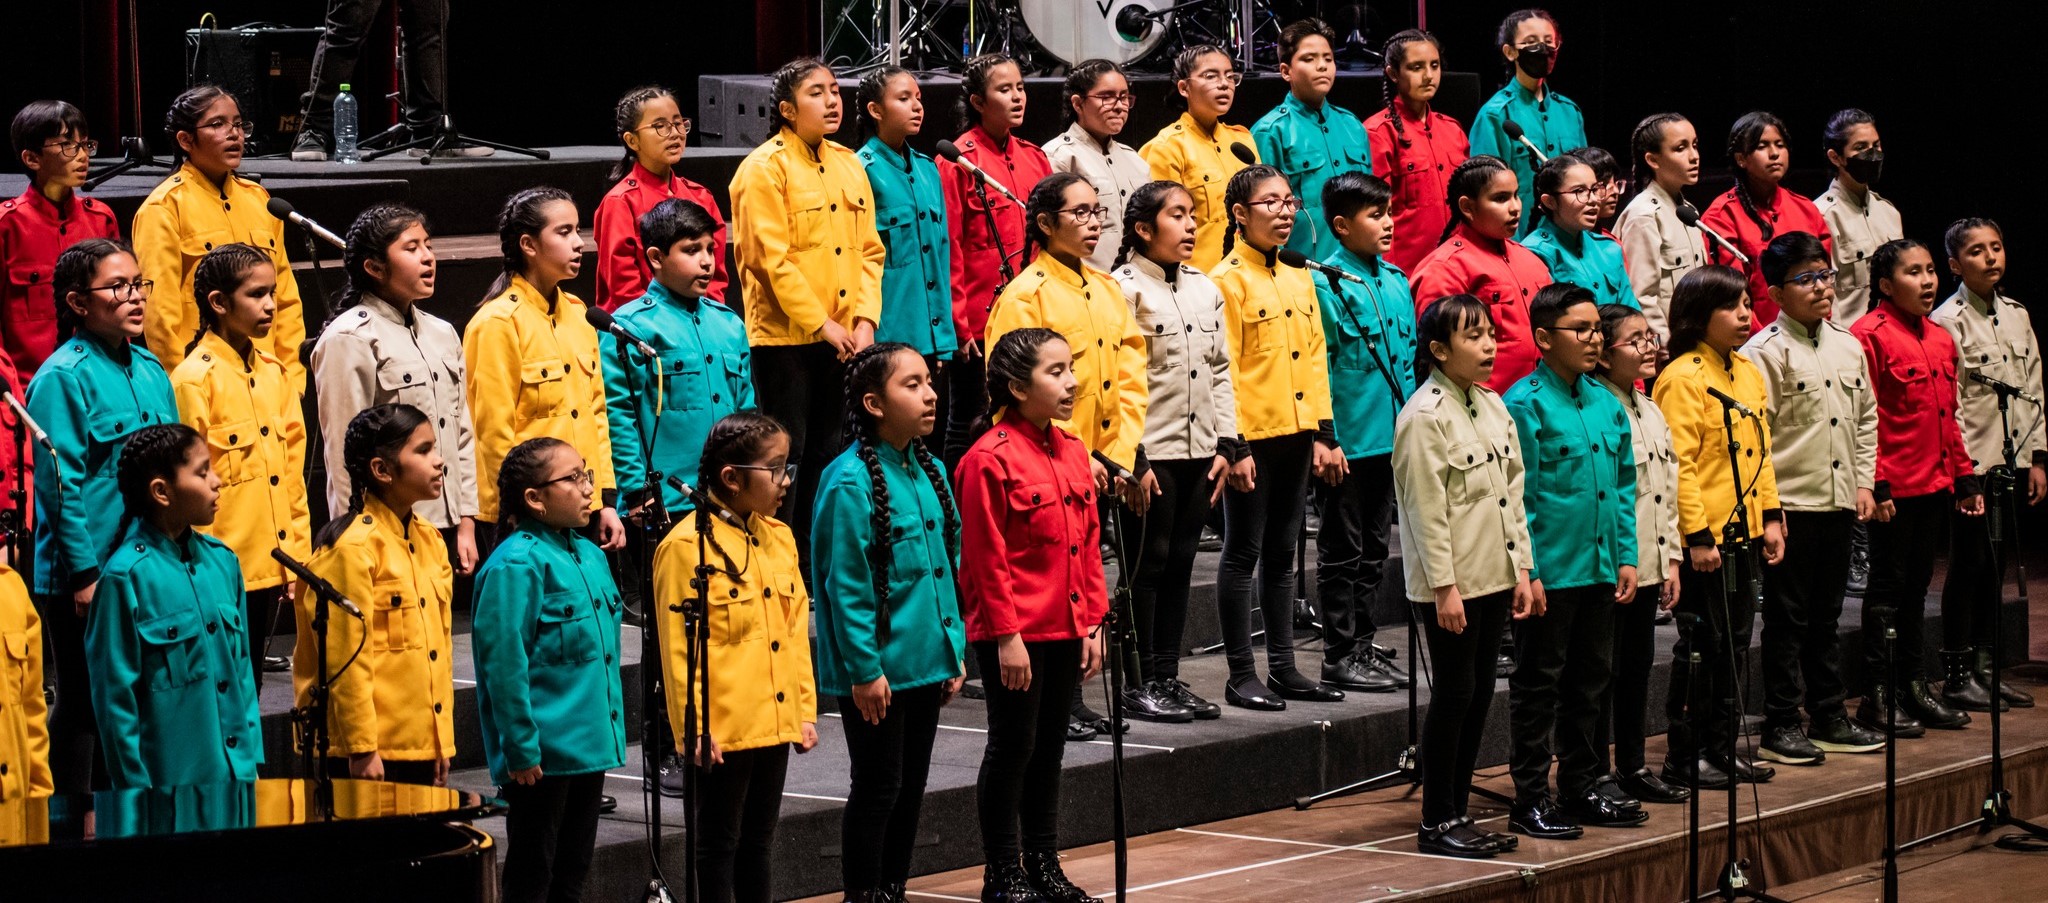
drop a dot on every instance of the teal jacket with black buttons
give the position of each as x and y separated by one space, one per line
1580 490
1308 147
545 638
915 637
704 374
1370 333
172 685
917 274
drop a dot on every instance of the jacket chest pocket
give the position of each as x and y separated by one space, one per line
170 649
28 287
110 430
1914 382
897 224
14 658
736 615
1980 357
1853 247
1166 338
1035 508
568 630
1263 331
409 382
1568 461
807 218
1471 477
1420 183
542 388
909 558
397 619
198 244
235 456
683 385
1801 400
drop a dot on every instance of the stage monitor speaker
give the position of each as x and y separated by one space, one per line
266 66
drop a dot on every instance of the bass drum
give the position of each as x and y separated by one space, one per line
1117 30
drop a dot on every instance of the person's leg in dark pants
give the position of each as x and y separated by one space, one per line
1582 693
1802 611
1901 566
426 64
1687 702
741 803
1058 664
1635 641
552 826
1017 794
1173 536
1261 528
1244 530
76 765
1728 623
966 400
1351 555
1970 590
260 608
1541 646
889 763
803 388
1458 703
334 58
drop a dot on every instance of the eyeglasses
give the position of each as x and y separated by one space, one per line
121 291
668 128
1646 343
1611 186
1232 77
580 478
1809 280
218 125
1584 194
1583 333
71 149
1120 99
1279 206
1086 215
788 470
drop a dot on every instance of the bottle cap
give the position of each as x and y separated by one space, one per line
344 87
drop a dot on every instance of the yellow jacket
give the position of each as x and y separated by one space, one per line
24 731
1088 309
398 699
256 434
803 226
763 689
533 372
1204 162
1277 361
187 216
1706 491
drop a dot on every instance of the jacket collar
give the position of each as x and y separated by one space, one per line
1981 304
660 294
379 515
1263 261
1625 394
524 292
1293 104
388 310
1060 271
902 159
1438 379
122 354
1370 266
1024 429
1472 238
1573 244
211 342
192 176
1144 265
1188 124
1910 321
1798 330
1674 201
552 537
647 179
1548 376
142 532
34 200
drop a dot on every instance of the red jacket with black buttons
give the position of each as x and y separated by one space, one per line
1913 367
1030 559
977 270
622 270
1503 274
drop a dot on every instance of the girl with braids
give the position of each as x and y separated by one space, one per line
910 214
1479 256
1569 240
762 699
202 205
532 357
1757 208
1281 371
1034 605
90 396
1414 147
237 396
1550 121
1098 103
1199 150
1658 248
173 688
1857 216
545 640
381 347
1191 438
1307 138
810 267
391 706
891 647
654 131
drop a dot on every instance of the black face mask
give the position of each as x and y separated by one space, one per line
1865 167
1535 59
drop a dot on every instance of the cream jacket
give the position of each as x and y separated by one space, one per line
1996 338
1458 483
1657 538
1190 404
1116 176
1858 226
1658 250
1823 413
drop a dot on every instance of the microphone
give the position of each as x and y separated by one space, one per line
690 492
1134 22
1997 385
951 151
282 209
316 584
1729 402
1244 154
1115 469
1691 217
1514 130
1299 260
35 429
604 322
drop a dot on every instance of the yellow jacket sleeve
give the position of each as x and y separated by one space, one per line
874 254
1133 390
351 701
491 354
1684 403
169 320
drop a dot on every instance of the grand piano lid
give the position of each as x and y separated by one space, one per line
229 806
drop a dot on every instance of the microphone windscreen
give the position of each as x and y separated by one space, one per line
1243 153
1293 258
280 208
599 318
949 150
1687 215
1513 128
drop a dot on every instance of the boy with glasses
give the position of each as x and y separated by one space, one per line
1308 139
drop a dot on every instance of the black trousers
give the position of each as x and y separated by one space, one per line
76 765
1628 706
1901 566
741 802
965 400
1172 532
1802 609
891 760
804 388
552 828
261 610
1260 529
425 23
1461 666
1564 663
1971 591
1018 792
1351 554
1722 636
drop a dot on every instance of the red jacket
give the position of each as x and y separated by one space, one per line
1418 163
622 271
977 277
1030 560
1786 211
1913 367
1506 276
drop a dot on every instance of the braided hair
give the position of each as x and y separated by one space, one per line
1011 359
737 438
523 216
783 88
1184 69
1144 208
626 118
150 454
1045 200
873 87
1958 232
1082 79
74 273
525 467
370 238
1469 180
380 432
183 116
1647 139
1239 191
869 374
1392 59
974 83
1744 137
221 270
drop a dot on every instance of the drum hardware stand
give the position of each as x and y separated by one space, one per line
135 155
913 42
443 137
1406 764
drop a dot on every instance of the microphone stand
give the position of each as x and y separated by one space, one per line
14 529
653 705
1405 763
311 719
697 678
1891 756
1116 626
1689 628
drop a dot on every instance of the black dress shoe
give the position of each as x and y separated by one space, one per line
1255 700
1745 770
277 664
1456 837
1544 819
1204 709
1079 732
607 804
1314 692
1649 787
1006 883
1609 786
1353 674
1597 810
670 776
1871 714
1507 843
1503 666
1381 659
1679 771
1153 702
1919 701
1043 871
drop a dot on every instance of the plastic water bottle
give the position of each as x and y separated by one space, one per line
345 127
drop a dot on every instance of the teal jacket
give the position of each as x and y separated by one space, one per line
545 638
1554 124
1370 333
169 655
1580 490
917 277
705 374
89 397
1589 260
1308 147
920 638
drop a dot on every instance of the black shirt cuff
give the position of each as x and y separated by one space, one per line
1967 485
84 578
1700 539
1882 491
1774 515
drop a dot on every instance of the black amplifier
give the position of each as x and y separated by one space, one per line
266 66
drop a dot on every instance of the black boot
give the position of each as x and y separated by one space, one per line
1871 713
1005 883
1918 701
1959 686
2013 696
1043 871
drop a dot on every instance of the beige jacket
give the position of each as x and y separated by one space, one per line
1996 338
371 355
1658 250
1188 367
1823 413
1116 176
1657 538
1858 227
1458 482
